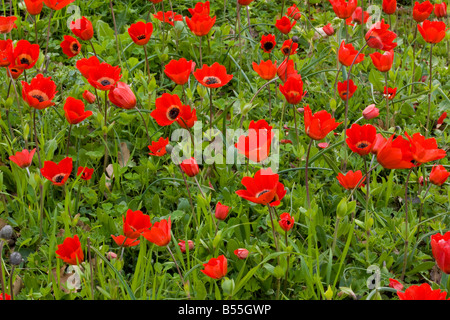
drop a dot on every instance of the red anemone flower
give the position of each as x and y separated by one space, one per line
378 143
216 268
15 72
57 173
432 31
213 76
190 167
391 92
159 233
256 145
70 251
286 70
123 241
5 296
25 54
347 54
289 47
140 32
86 65
221 211
266 69
74 110
245 2
422 11
440 10
424 150
438 175
182 244
284 25
319 124
168 17
89 96
82 28
179 70
57 4
168 109
393 153
6 53
158 148
200 8
39 93
360 139
395 284
7 24
379 37
328 29
357 17
122 96
383 62
187 117
34 7
268 43
350 180
293 12
104 77
85 173
343 8
264 188
286 221
293 89
23 158
135 223
200 25
70 46
440 246
422 292
342 89
389 6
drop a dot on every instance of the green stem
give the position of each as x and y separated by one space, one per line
306 174
429 93
405 254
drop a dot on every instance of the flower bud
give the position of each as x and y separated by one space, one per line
241 253
6 232
328 29
15 258
122 96
190 167
111 255
370 112
182 245
221 211
89 96
295 39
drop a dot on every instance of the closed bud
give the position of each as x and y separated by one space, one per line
328 29
370 112
89 96
15 258
228 287
122 96
190 167
6 232
295 39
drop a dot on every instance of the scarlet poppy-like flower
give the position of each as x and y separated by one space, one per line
264 188
213 76
6 52
179 70
187 117
200 25
190 166
168 109
74 110
85 173
389 6
82 28
140 32
245 2
216 268
390 92
57 173
357 17
25 54
122 96
328 29
360 139
422 11
286 70
7 24
221 212
395 284
342 89
347 54
438 175
394 153
241 253
344 9
168 17
123 241
182 245
15 72
256 145
159 233
70 46
284 25
70 251
135 223
268 43
350 179
380 37
286 221
293 12
158 148
89 96
200 8
432 31
370 112
289 47
104 77
441 119
39 93
23 158
57 4
34 7
378 143
86 65
5 297
440 10
293 90
383 62
424 150
266 69
319 124
422 292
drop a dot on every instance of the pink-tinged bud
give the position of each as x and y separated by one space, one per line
111 255
328 29
221 211
442 118
122 96
89 96
323 145
241 253
300 110
421 181
190 167
285 141
182 245
370 112
395 284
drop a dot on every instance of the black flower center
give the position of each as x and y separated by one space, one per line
24 61
285 50
59 178
140 37
268 46
105 82
212 80
362 145
75 47
40 98
173 113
